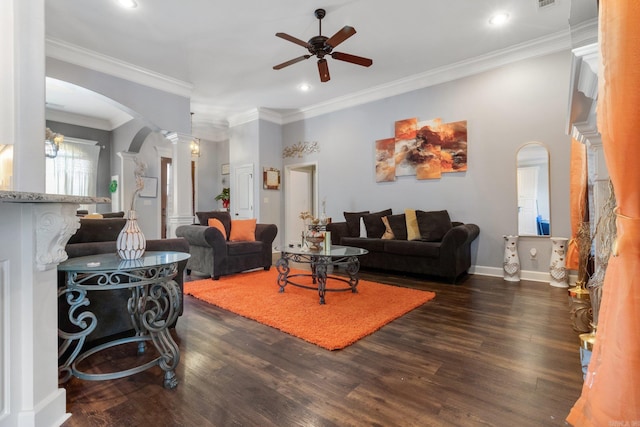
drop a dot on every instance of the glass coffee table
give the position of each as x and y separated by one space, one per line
319 261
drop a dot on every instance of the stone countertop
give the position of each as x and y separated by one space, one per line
25 197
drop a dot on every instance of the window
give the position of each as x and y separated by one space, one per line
74 170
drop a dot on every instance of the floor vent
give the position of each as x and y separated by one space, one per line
545 3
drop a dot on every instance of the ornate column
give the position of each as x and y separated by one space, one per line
22 85
35 229
181 199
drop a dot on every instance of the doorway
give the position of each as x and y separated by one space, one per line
301 194
165 185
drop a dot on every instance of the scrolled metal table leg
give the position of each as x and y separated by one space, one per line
86 320
282 265
353 267
321 273
161 304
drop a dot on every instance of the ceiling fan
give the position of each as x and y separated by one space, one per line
320 46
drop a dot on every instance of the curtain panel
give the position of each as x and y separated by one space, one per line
611 392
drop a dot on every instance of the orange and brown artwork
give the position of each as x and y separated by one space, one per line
406 129
385 162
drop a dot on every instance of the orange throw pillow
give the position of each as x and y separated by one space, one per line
243 230
215 222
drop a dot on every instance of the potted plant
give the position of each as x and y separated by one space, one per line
225 196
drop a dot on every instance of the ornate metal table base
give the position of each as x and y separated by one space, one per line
153 306
319 263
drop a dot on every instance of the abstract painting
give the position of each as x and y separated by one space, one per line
425 150
385 161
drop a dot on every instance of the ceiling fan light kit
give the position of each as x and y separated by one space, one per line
321 46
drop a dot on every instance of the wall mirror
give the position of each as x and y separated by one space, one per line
534 213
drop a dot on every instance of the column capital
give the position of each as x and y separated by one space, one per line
177 137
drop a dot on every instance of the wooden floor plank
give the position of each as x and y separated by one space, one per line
484 352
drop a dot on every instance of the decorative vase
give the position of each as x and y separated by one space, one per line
225 204
557 264
131 243
511 264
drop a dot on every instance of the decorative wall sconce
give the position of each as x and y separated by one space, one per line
195 142
300 149
195 147
52 143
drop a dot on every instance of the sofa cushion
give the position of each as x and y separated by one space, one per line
412 248
243 248
372 245
413 231
243 230
433 225
388 232
98 230
374 225
398 225
353 222
224 217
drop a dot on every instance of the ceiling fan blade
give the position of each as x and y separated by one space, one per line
323 68
341 36
358 60
293 40
291 62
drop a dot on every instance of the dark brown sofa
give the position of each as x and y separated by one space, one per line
443 248
98 236
216 256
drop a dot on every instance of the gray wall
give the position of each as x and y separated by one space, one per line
209 175
504 108
271 202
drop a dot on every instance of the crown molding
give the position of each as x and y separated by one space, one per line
77 55
78 120
256 114
534 48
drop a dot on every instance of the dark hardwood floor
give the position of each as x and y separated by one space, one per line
484 352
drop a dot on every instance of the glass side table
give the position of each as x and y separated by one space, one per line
153 306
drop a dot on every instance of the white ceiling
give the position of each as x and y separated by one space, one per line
224 50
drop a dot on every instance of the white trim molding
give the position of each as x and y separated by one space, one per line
92 60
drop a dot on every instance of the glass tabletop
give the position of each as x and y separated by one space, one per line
113 262
336 251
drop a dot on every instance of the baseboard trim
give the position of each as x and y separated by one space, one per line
534 276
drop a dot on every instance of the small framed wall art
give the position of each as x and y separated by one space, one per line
225 169
150 188
271 179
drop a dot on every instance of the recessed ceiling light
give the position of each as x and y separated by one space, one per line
499 18
304 87
128 4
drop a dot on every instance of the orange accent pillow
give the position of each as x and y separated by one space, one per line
243 230
215 222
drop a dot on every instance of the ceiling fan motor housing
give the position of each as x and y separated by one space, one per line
318 46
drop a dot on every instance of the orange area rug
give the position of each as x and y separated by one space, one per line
345 318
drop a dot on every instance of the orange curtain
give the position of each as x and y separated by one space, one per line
611 392
577 197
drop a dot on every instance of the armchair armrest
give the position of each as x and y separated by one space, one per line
266 233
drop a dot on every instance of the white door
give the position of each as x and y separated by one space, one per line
300 183
527 201
242 194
